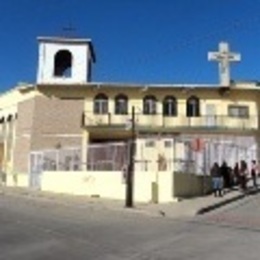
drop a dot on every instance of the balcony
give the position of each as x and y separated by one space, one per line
217 122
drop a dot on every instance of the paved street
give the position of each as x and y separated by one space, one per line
36 228
244 214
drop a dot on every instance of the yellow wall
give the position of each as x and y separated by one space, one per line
158 187
148 186
248 97
17 179
104 184
207 96
10 100
9 107
108 184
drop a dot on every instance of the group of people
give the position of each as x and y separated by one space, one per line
225 177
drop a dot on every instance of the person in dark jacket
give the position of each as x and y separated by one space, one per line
243 171
225 173
236 174
217 180
254 173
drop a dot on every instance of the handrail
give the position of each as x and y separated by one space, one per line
91 114
160 120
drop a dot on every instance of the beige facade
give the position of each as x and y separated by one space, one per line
208 97
45 123
45 117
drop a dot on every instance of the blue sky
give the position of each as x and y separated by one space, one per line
136 41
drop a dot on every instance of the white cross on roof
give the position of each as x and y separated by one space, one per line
224 57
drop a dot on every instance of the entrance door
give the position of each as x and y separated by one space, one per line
211 119
36 164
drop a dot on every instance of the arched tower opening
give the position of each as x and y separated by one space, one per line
63 64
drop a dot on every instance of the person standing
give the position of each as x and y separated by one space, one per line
225 173
243 175
236 174
217 181
254 173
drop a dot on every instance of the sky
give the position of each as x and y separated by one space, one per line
135 41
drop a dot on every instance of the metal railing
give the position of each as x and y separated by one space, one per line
180 121
65 159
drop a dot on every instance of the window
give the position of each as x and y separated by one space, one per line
149 143
170 106
193 107
238 111
9 118
121 105
63 64
101 104
168 144
149 105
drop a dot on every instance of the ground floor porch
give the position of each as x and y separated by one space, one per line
166 167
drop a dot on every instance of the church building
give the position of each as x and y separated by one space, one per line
66 122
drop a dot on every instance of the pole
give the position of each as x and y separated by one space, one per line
130 169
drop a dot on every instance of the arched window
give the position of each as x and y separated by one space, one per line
170 106
101 104
9 118
121 105
149 105
63 64
193 107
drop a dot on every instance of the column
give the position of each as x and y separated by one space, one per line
85 142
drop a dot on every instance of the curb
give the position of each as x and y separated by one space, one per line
225 202
219 204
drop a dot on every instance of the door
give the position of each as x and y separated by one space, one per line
211 118
36 167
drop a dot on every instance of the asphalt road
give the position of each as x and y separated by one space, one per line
34 228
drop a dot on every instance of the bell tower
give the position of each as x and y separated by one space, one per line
64 60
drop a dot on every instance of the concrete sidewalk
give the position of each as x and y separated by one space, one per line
193 206
185 208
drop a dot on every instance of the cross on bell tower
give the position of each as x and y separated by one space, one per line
224 57
69 31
